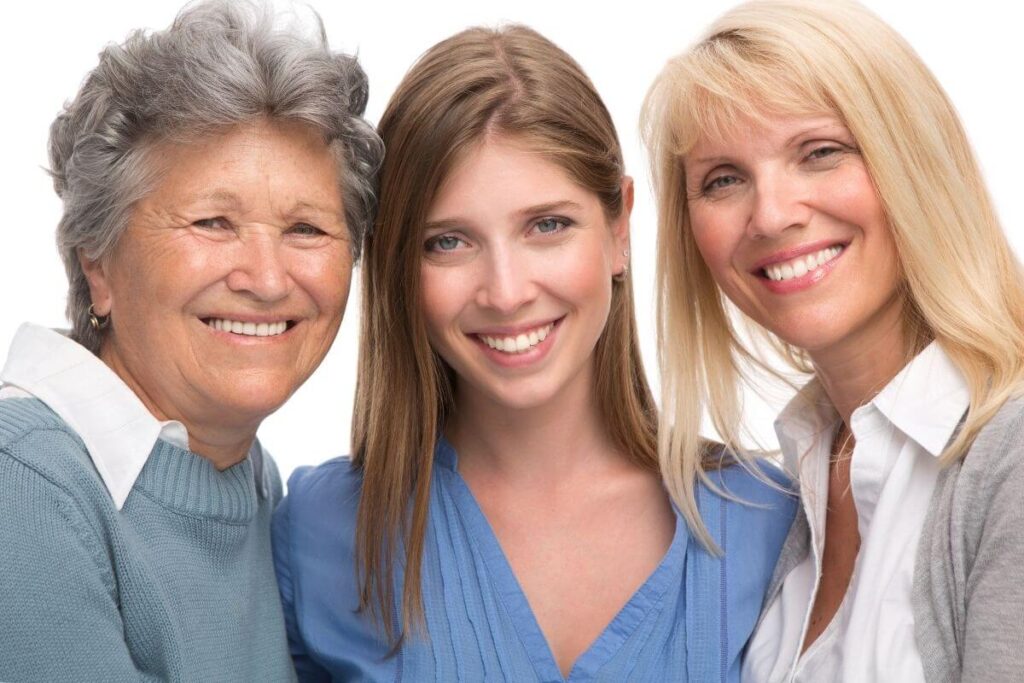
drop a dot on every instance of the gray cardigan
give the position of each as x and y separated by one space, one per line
968 594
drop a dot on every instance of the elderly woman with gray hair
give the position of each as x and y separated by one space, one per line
216 180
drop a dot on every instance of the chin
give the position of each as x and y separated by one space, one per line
248 403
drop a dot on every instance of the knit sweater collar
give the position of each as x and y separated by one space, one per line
188 483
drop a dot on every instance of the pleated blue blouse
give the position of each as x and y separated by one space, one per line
689 621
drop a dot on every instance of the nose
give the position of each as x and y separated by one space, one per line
780 203
259 267
506 283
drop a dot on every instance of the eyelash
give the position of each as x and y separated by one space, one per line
222 223
315 231
212 223
560 223
433 243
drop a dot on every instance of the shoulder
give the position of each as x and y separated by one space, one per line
320 502
990 475
33 439
760 485
53 499
999 446
335 483
756 505
30 418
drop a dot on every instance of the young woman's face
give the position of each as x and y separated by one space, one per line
791 228
517 275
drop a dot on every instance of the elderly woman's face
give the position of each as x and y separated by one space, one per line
791 228
228 287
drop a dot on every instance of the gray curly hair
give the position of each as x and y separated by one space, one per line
221 63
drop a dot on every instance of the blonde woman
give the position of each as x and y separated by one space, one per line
502 517
812 173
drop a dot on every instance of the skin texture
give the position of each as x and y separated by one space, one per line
581 526
757 196
246 225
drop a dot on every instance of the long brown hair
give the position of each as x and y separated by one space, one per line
516 83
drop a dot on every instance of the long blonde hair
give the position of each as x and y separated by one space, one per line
480 82
961 285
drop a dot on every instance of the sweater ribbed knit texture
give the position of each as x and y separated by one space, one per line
176 586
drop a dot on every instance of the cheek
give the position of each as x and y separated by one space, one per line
326 276
442 293
163 275
582 274
716 238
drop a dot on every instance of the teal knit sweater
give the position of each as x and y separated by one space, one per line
176 586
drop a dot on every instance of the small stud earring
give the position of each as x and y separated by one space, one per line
98 322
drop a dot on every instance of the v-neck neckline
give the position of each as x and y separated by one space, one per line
589 663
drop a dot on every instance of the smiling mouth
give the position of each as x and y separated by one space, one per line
520 343
249 329
801 265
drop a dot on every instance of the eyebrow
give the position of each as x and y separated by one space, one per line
811 130
220 197
535 210
231 201
300 206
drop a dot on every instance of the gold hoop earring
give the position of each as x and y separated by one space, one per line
98 322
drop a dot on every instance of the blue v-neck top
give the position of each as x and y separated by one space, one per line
688 621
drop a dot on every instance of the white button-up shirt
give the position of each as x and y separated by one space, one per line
117 429
899 436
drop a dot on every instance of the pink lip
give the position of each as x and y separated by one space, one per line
518 360
512 331
809 279
802 250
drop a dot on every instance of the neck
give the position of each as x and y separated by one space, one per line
546 444
221 448
219 441
853 372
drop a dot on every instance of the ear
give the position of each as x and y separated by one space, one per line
99 283
620 227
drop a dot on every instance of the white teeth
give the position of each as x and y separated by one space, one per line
519 343
801 265
248 329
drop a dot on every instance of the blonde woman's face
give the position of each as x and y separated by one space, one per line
516 277
792 230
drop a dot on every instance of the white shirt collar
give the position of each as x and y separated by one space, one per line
117 429
925 401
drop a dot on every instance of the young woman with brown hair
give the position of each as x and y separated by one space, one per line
502 516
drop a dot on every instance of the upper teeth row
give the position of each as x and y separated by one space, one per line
801 265
251 329
519 343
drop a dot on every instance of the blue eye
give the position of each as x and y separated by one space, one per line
550 224
443 243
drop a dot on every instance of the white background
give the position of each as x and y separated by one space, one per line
46 49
